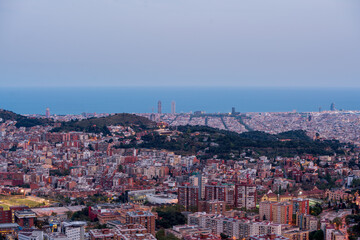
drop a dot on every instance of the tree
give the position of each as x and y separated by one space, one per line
82 215
355 183
337 221
160 235
224 236
193 208
169 216
316 235
67 200
316 210
13 148
68 214
91 148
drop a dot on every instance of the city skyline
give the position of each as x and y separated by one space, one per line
110 100
332 108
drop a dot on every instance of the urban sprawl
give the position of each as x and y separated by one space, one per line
253 176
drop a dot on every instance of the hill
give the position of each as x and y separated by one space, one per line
8 115
211 141
98 125
23 121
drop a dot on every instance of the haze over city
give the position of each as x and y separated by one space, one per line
179 120
180 43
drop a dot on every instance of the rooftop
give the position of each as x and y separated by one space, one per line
140 214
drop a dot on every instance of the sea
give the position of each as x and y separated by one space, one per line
76 100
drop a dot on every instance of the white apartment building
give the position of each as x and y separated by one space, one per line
31 234
74 230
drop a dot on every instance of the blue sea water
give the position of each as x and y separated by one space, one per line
144 99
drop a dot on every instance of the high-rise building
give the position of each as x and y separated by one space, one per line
300 206
282 213
188 196
47 112
233 111
173 110
265 210
235 228
332 107
306 222
200 181
214 207
145 218
159 107
245 196
216 192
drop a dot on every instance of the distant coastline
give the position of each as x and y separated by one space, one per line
188 99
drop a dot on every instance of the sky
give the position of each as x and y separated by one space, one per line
277 43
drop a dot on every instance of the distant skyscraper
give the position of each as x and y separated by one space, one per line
233 111
159 106
173 110
332 107
47 112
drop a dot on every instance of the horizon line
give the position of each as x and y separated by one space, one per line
183 86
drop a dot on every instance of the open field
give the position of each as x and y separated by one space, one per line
13 200
314 201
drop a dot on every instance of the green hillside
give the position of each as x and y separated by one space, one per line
23 121
223 143
98 125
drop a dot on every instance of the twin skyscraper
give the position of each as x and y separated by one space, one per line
173 107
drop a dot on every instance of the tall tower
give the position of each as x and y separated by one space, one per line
47 112
159 106
332 107
173 106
